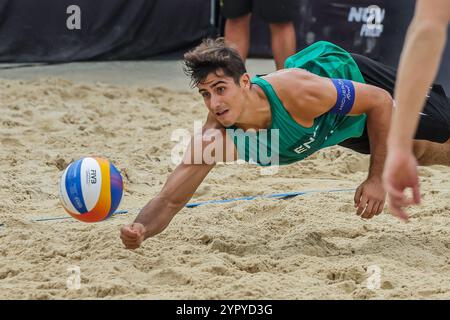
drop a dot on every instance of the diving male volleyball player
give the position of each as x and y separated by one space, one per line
325 97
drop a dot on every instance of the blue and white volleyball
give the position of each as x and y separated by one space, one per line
91 189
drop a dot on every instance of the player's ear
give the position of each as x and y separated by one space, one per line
244 81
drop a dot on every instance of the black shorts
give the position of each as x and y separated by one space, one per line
434 123
270 11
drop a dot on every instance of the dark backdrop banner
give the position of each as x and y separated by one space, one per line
375 28
46 31
43 30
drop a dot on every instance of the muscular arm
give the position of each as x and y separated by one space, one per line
178 189
377 104
418 66
181 183
307 96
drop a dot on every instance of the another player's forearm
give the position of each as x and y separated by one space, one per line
378 121
418 67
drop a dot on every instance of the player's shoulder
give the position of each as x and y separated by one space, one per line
290 74
290 83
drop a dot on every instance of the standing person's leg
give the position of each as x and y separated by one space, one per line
237 34
430 153
280 16
237 25
284 42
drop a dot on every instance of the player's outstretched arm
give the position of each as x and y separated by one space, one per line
157 214
178 189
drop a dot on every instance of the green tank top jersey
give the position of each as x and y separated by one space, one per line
292 142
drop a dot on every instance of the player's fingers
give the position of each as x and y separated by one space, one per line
394 191
130 243
128 229
127 233
357 198
376 207
127 238
362 205
399 213
135 227
380 208
368 213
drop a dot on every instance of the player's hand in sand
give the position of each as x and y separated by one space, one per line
369 198
132 235
400 172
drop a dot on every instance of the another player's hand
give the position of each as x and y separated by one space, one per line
369 198
400 172
132 235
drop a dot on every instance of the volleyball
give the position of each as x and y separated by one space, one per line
91 189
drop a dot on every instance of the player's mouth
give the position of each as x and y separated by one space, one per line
222 113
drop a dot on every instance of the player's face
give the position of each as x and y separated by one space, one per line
223 97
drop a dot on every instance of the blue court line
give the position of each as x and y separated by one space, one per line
274 195
286 195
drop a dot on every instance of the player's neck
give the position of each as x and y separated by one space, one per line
257 113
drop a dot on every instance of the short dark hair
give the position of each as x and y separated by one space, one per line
210 56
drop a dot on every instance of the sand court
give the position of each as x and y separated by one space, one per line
312 246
